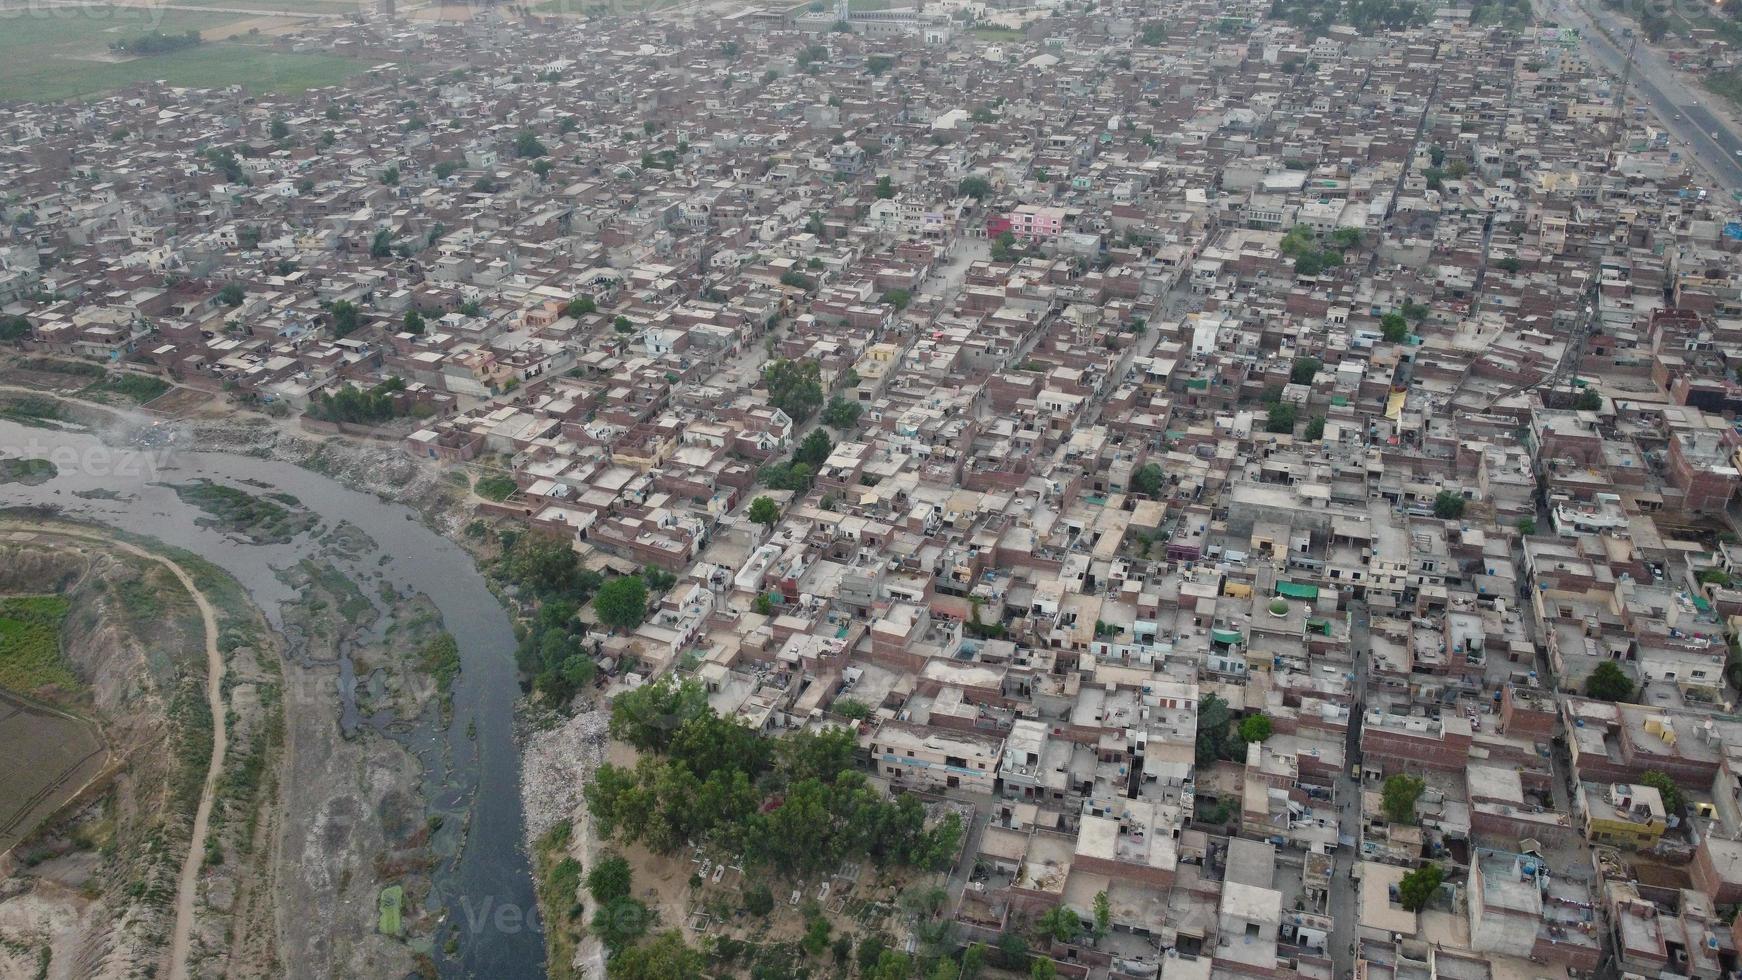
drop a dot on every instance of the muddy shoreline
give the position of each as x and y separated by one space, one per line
440 788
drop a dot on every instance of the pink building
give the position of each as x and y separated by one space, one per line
1031 221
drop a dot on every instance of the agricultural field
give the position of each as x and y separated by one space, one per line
51 54
50 756
30 655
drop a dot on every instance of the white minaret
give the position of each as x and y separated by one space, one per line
842 14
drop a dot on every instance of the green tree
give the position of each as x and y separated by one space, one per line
1346 238
649 716
1213 721
763 510
1281 418
622 602
381 246
1398 796
1589 401
1666 787
346 317
1315 429
666 957
232 294
898 298
1041 968
1609 683
1103 914
610 879
1526 526
974 187
14 328
580 306
527 145
1060 923
1255 728
1417 888
623 324
1393 327
1304 370
758 900
885 188
794 387
620 923
413 322
814 450
842 414
446 168
1449 505
1147 480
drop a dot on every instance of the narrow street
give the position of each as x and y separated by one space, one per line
1342 905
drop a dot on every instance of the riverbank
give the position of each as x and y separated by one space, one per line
464 775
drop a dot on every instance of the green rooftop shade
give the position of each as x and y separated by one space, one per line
1225 636
1319 626
1198 384
1294 590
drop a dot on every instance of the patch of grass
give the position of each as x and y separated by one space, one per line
136 388
495 487
55 365
996 34
30 657
440 658
29 472
391 906
557 880
258 519
353 604
1727 84
33 410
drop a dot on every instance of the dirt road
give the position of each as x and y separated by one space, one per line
188 887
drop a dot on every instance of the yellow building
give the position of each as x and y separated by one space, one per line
1622 814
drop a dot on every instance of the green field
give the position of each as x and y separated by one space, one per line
30 655
48 57
391 909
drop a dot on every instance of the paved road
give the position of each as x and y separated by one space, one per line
1655 83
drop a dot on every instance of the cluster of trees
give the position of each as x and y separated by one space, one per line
362 407
1147 480
1449 505
842 414
800 471
794 387
1397 797
346 317
794 805
13 328
1309 259
1220 738
156 42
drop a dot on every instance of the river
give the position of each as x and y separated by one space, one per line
488 891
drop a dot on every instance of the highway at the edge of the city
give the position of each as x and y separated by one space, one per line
1682 112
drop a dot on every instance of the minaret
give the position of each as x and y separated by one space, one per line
842 13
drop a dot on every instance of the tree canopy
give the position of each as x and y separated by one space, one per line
1398 797
1608 682
1417 888
794 805
763 510
622 602
794 387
